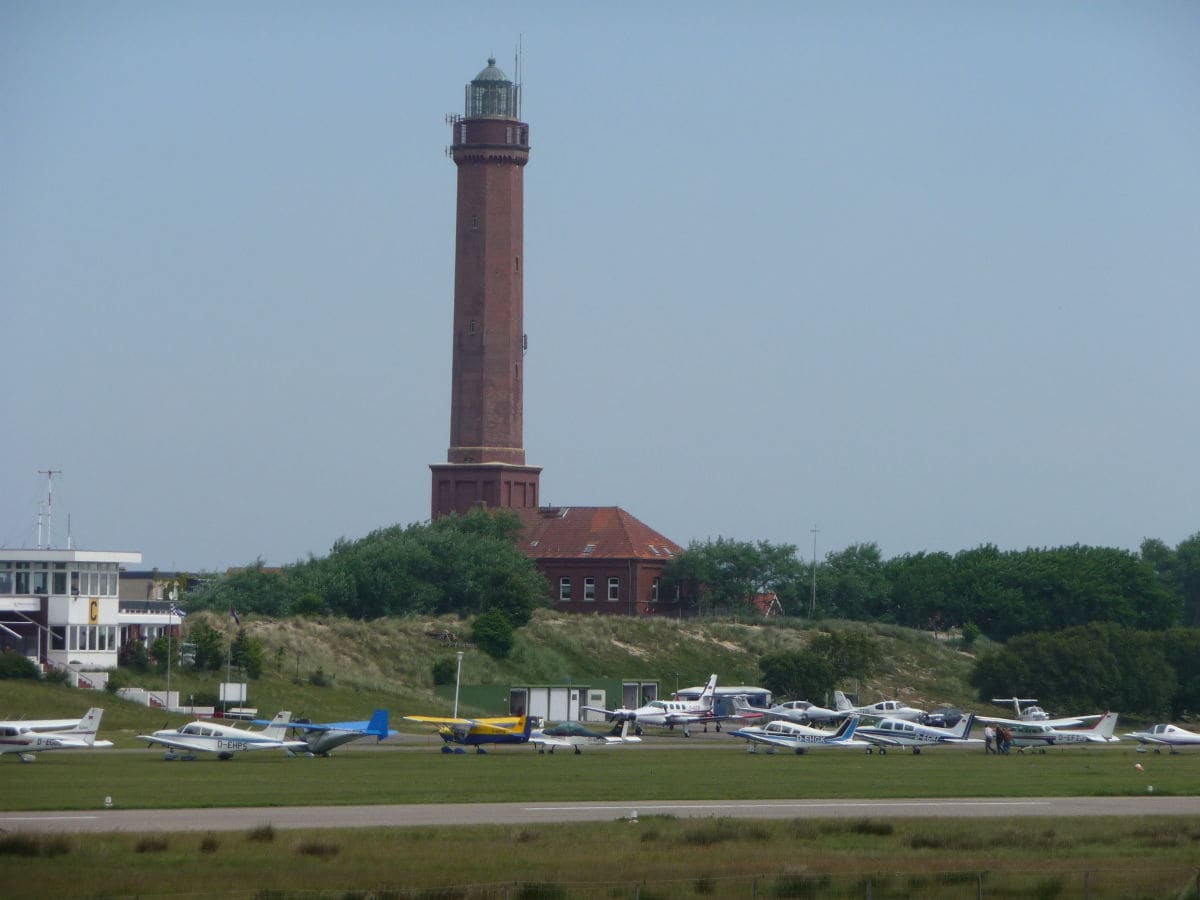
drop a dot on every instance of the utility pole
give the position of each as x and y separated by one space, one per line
457 682
49 473
812 605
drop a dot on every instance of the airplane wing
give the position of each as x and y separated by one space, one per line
879 739
770 739
172 743
464 726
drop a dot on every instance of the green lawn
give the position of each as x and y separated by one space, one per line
141 779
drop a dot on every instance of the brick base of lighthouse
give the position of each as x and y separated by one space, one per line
457 487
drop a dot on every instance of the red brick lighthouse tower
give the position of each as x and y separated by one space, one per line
485 464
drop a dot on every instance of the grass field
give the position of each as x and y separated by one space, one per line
660 857
141 779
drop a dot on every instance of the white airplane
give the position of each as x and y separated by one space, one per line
1034 714
891 709
24 740
42 724
890 733
322 737
800 738
1169 736
801 712
224 740
669 713
574 736
1041 735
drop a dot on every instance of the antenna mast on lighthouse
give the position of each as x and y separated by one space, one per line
49 473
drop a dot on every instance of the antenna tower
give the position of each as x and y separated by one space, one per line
49 473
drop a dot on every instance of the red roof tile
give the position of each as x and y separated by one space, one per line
590 532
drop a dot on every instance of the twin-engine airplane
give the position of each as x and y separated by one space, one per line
890 733
800 712
223 740
478 732
574 736
1169 736
1034 714
891 709
322 737
34 736
800 738
669 713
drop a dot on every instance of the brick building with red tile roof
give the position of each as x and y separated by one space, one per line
599 559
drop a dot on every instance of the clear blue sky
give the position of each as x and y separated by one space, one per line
924 274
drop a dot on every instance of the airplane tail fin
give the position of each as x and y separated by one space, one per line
840 702
710 689
963 728
525 725
89 725
277 730
845 731
378 726
1103 730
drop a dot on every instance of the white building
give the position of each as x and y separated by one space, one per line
62 608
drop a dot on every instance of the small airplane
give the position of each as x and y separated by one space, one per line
669 713
800 738
891 709
1034 714
1169 736
24 740
41 725
890 733
223 740
573 735
322 737
1040 735
801 712
478 732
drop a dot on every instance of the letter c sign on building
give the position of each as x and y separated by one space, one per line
94 611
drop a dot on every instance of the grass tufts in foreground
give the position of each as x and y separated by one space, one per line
1114 857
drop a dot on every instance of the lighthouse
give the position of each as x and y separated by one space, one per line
485 463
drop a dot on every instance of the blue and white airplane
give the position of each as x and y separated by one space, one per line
801 738
893 733
322 737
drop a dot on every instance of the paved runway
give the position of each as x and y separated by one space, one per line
528 813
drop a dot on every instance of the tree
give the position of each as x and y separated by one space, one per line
802 675
493 632
853 583
247 652
724 576
458 564
850 654
210 646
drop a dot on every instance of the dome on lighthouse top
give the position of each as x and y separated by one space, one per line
491 73
492 96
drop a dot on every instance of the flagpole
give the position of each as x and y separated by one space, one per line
170 625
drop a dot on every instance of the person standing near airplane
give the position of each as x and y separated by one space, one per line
989 735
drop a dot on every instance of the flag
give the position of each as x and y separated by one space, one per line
233 615
176 611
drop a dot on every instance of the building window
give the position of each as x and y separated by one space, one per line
589 589
60 581
471 327
6 579
58 637
474 222
614 588
654 590
564 588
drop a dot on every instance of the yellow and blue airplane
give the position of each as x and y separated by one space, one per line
478 732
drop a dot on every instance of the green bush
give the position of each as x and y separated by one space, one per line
14 665
493 632
444 670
